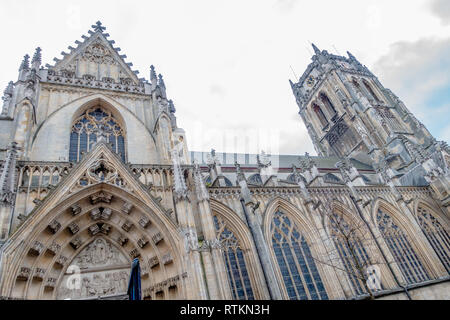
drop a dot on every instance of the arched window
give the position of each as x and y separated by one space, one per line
298 269
88 127
326 101
349 241
404 254
234 261
437 235
372 93
323 120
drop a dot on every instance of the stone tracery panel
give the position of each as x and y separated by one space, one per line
104 271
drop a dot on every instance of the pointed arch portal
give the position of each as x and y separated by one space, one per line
94 229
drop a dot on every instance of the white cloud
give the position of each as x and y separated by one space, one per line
418 71
441 8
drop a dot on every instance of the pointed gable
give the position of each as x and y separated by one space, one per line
96 58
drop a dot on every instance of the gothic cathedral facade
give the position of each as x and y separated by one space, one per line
95 172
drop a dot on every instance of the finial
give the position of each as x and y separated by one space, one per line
316 50
180 188
152 74
25 65
37 57
239 174
161 81
352 57
98 27
171 107
9 89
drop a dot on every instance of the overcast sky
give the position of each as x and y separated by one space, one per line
226 64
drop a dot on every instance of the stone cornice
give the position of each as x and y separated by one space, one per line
46 85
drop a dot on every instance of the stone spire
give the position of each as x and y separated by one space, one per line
350 56
37 59
180 190
7 177
25 65
316 50
202 193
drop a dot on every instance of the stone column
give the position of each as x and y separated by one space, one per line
192 263
215 269
8 190
252 214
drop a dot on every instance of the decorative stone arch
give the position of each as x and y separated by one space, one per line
343 209
369 243
242 233
111 114
131 123
164 134
406 224
312 237
436 210
31 246
435 226
25 117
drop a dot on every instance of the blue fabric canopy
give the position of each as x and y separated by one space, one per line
134 285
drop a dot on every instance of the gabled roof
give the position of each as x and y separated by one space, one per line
97 40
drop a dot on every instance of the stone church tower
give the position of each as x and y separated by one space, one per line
95 172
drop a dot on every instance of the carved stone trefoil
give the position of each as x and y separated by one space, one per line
76 243
61 261
76 209
126 208
153 261
144 222
50 283
122 240
24 273
101 197
127 225
73 228
106 213
39 274
134 253
95 213
142 242
144 271
94 229
156 238
105 229
167 258
36 249
54 226
54 248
